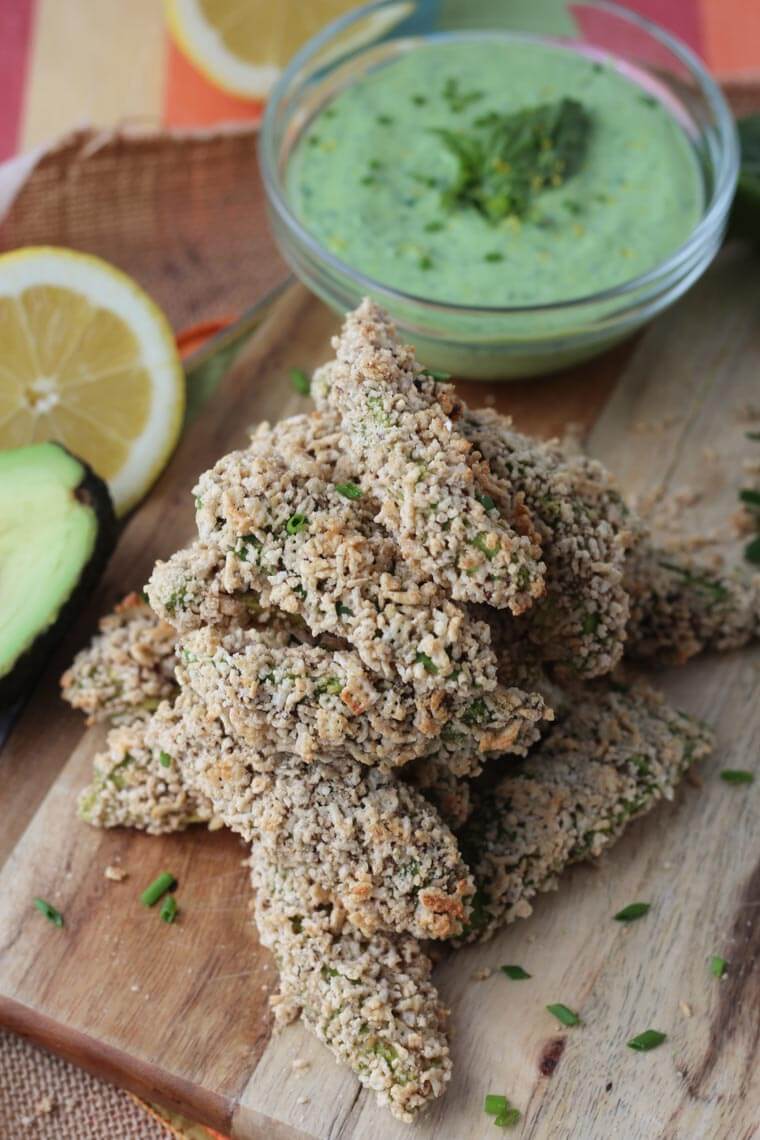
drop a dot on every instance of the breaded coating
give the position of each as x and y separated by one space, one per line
450 794
135 785
434 491
303 547
368 998
372 843
187 592
316 702
585 530
680 607
613 757
128 667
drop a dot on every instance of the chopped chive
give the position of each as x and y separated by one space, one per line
751 498
349 490
164 759
516 973
487 502
737 776
752 550
158 889
375 164
508 1118
564 1014
385 120
631 912
479 542
419 100
342 610
425 262
50 912
427 662
296 524
433 227
494 1104
647 1040
494 255
436 374
367 180
300 381
169 909
718 966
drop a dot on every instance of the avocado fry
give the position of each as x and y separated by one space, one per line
312 701
127 669
368 997
680 607
453 524
611 759
371 842
585 530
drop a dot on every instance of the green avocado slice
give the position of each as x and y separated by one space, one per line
57 529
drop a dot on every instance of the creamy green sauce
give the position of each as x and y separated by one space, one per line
365 177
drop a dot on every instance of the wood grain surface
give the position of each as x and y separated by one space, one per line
179 1013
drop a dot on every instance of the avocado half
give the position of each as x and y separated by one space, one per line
57 530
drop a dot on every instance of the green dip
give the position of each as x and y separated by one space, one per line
367 177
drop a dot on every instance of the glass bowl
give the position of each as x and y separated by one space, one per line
503 343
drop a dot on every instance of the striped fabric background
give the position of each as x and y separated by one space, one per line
64 63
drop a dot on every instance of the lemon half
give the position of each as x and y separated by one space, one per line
87 359
242 45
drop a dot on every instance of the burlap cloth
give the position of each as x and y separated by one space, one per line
185 216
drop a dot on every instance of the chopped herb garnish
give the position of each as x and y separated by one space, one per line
423 659
479 542
504 160
590 623
158 889
198 504
385 120
425 262
300 381
564 1014
752 550
486 502
647 1040
164 759
516 973
737 776
419 100
633 911
457 99
648 100
476 713
50 912
169 909
436 374
718 966
342 610
367 180
505 1114
296 524
375 164
700 581
494 255
331 685
433 227
349 490
751 498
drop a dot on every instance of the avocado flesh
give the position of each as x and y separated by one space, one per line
56 531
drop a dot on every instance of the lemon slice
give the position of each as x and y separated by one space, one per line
241 45
88 360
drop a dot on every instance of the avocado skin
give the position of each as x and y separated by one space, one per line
93 492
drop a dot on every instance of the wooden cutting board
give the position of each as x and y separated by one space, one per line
179 1013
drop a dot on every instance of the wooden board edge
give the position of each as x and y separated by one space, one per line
105 1062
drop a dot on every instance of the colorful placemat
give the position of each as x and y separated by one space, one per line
63 65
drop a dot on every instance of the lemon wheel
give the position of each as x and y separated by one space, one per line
88 360
242 45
